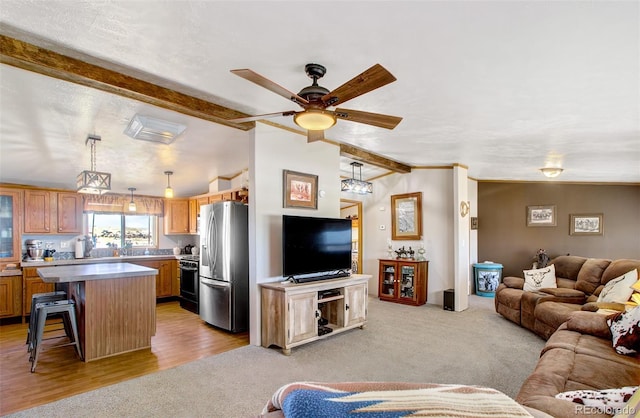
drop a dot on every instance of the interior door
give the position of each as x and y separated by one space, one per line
353 209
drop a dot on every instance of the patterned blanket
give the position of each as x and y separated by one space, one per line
388 399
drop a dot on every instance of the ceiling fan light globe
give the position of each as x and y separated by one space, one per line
551 171
314 120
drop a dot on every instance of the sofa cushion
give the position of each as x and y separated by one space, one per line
619 289
570 294
589 323
625 330
513 282
537 279
619 267
590 274
568 266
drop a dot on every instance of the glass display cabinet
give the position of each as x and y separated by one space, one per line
403 281
10 213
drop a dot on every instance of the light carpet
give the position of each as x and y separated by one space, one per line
400 343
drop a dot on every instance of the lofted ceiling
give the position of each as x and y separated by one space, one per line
504 88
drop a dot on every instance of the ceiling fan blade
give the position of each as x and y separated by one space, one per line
371 79
265 116
269 85
375 119
313 136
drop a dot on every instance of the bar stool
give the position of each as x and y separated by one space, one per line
33 317
44 310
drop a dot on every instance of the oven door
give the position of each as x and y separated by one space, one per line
189 286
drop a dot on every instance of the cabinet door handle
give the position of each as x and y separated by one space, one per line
346 306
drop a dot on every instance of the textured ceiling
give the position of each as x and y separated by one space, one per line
504 88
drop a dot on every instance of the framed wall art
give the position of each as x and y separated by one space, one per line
586 224
544 215
406 216
300 190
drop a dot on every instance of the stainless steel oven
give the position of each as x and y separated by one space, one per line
189 283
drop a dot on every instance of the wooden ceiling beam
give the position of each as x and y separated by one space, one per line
359 154
79 71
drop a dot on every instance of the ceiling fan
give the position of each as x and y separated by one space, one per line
315 100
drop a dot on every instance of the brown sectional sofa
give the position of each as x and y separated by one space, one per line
579 353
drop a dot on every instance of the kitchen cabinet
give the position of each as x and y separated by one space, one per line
10 225
10 296
166 277
49 212
295 314
32 283
194 211
403 281
176 216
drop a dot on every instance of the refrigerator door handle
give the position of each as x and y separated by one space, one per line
214 283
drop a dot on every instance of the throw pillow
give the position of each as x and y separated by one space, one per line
625 331
607 401
619 289
536 279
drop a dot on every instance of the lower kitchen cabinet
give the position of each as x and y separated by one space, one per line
403 281
32 284
10 296
295 314
166 275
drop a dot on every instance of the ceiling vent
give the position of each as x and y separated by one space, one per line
147 128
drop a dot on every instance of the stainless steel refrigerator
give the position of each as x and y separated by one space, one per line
224 265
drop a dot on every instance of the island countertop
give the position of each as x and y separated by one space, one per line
100 271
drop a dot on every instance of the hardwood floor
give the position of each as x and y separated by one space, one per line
181 337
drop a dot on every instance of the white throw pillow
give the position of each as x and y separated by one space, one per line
619 289
534 280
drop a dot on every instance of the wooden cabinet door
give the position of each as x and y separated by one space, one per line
193 216
37 211
388 280
302 317
176 216
6 296
34 285
355 304
164 279
70 207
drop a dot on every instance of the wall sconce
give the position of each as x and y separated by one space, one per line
132 204
168 192
551 171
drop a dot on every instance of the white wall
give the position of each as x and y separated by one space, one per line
436 186
276 150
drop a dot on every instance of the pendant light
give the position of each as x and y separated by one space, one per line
356 186
92 181
551 171
168 192
132 204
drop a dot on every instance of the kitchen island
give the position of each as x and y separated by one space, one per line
115 305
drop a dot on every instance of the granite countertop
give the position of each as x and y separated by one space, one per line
100 271
92 260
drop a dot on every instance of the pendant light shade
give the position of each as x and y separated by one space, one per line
314 120
132 204
168 192
356 186
551 171
92 181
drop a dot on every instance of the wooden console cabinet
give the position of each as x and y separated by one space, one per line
403 281
291 312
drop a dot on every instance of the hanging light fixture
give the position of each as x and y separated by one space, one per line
132 204
314 120
168 192
356 186
551 171
92 181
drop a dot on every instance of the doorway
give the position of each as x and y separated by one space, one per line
352 209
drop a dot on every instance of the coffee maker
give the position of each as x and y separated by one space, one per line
34 249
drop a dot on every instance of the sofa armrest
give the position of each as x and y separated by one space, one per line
513 282
564 295
589 323
594 306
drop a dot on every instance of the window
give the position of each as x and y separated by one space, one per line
123 231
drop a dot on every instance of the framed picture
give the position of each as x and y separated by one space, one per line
586 224
406 216
300 190
544 215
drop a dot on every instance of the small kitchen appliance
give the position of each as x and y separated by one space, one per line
34 249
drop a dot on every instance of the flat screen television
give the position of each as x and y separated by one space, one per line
315 245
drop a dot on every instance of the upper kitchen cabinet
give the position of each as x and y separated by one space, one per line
10 223
176 216
49 212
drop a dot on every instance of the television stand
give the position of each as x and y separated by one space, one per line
320 277
291 312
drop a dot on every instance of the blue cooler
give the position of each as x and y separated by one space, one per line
488 276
